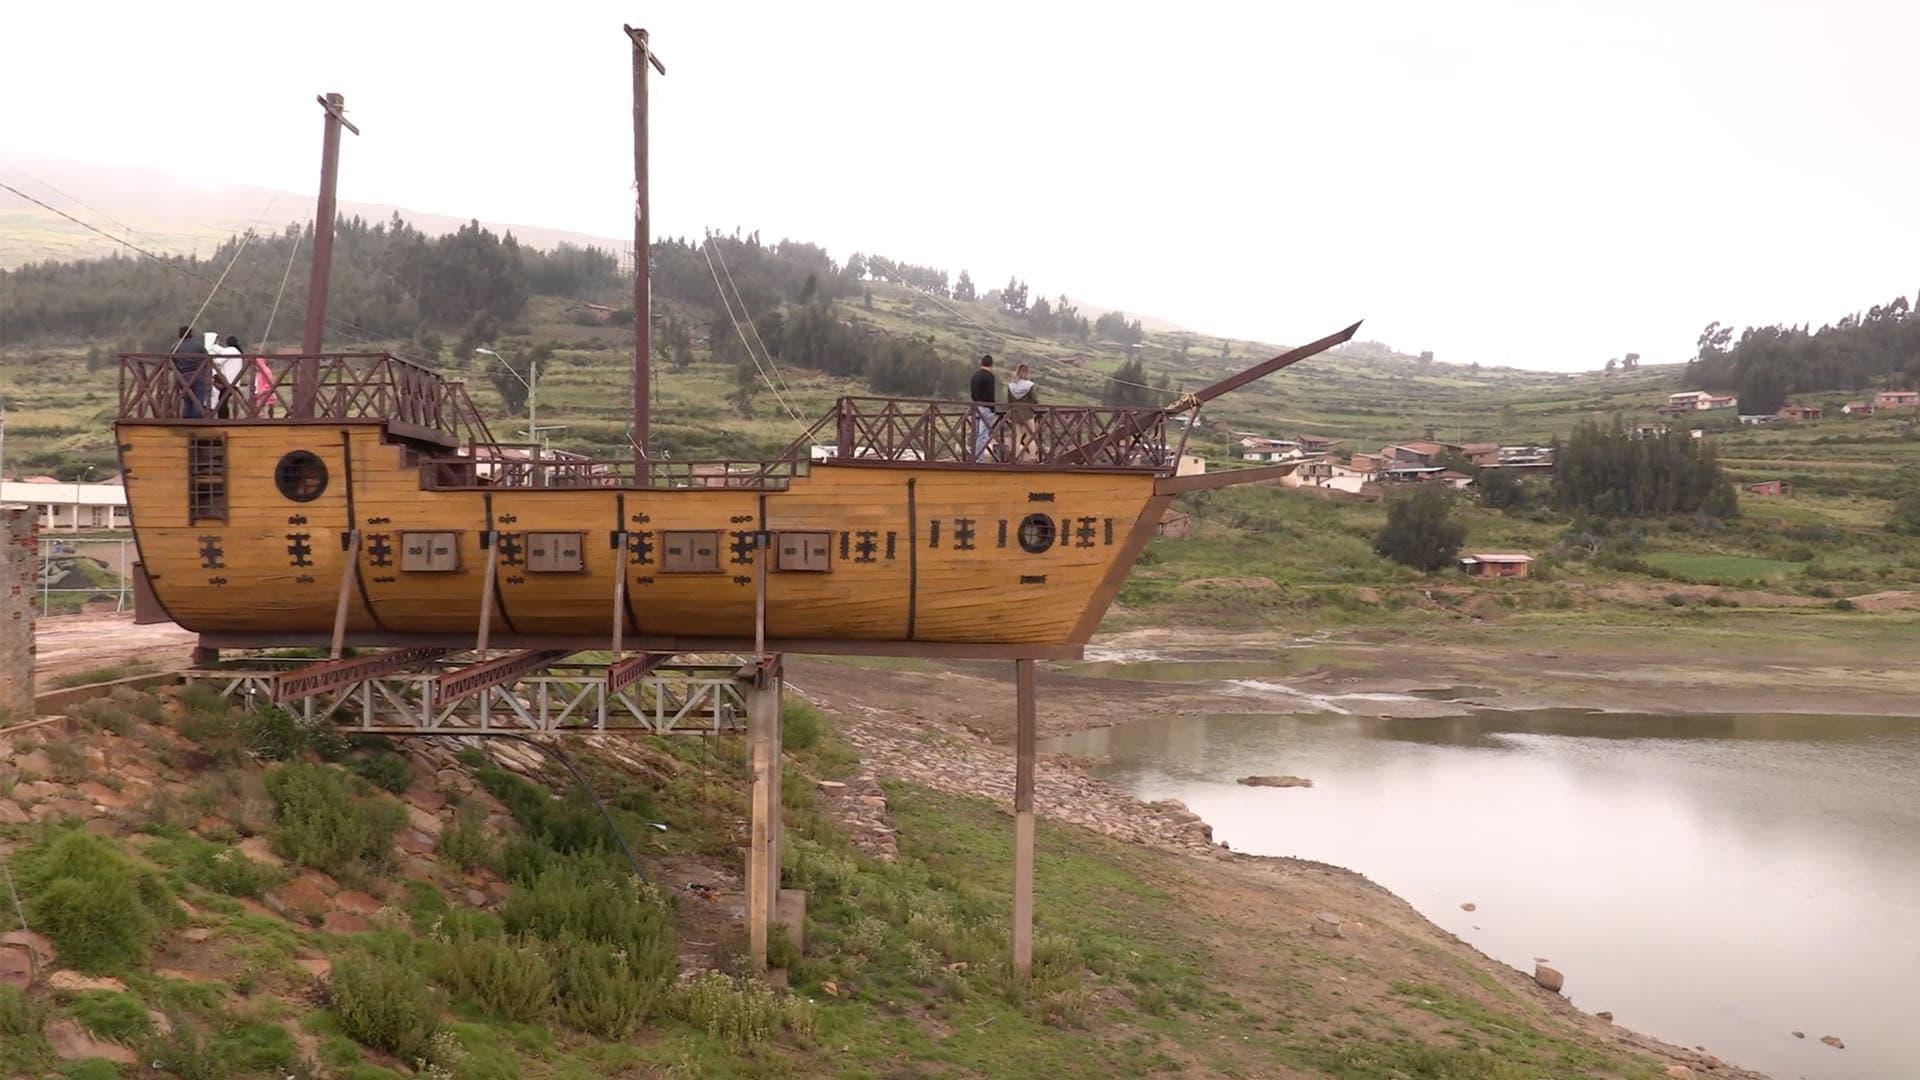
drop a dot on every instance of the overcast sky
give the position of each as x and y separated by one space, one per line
1538 184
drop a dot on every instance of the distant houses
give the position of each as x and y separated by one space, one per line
1496 564
1770 487
1896 399
1794 413
1687 401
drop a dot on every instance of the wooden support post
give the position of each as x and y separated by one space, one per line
619 592
491 540
346 590
763 872
1023 742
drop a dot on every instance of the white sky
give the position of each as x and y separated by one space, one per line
1541 184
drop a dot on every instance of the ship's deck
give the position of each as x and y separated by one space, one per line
434 415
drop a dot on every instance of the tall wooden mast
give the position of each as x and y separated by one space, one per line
642 248
335 106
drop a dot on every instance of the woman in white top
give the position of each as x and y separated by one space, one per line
228 363
1022 396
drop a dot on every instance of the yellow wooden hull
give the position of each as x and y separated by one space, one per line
915 554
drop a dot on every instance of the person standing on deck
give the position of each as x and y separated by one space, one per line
1022 396
228 363
984 395
189 356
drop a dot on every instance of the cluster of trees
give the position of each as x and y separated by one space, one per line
1767 363
813 336
1629 362
1128 387
390 282
1113 326
1608 472
1421 530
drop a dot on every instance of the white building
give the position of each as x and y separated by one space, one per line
70 507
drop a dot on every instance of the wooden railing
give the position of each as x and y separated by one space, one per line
411 400
865 429
516 467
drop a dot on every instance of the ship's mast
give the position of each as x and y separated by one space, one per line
643 58
323 213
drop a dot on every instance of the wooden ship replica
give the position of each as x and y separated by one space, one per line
358 499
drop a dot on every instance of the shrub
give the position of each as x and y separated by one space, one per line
509 978
384 769
110 1014
566 826
800 725
602 990
385 1005
184 1052
274 734
745 1012
100 908
90 1069
1843 604
19 1014
1905 517
1675 599
324 823
259 1047
465 843
1420 531
572 900
224 870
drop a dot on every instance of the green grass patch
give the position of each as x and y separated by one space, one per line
330 820
1722 569
101 909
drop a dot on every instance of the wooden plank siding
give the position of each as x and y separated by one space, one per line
916 554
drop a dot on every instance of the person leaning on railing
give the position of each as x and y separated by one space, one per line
189 359
1023 397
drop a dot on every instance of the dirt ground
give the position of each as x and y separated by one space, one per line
68 643
1374 678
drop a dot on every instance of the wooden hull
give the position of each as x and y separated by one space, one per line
915 554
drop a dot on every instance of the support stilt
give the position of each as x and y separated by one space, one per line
346 590
1023 744
491 541
763 854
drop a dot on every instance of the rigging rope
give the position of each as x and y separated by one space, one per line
245 239
267 335
721 256
745 345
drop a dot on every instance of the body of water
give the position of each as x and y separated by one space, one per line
1719 881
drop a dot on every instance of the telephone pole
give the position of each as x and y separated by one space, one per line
642 251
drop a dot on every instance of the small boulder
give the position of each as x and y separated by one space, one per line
1798 1034
1607 1016
40 947
70 1042
1327 924
1468 906
303 897
11 814
1679 1072
831 788
357 902
1549 978
259 850
424 820
345 922
74 982
1276 781
1833 1041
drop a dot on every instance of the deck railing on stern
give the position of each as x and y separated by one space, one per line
902 430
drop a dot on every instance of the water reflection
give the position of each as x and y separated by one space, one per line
1720 880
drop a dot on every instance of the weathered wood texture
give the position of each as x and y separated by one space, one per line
950 567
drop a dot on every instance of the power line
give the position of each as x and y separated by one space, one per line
745 344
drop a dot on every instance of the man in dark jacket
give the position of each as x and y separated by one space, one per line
190 362
983 393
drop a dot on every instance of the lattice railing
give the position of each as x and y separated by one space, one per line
331 386
900 430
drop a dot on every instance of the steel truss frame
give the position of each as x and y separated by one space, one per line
670 699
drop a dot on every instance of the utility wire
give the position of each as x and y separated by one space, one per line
748 346
721 256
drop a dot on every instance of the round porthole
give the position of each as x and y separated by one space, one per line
1036 533
300 476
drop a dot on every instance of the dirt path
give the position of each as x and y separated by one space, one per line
68 643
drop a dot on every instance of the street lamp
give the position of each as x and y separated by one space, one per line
531 380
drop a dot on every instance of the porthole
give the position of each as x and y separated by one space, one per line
1036 533
301 476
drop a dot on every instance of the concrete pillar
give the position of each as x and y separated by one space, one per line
19 575
1023 747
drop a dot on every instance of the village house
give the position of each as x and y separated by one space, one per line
1896 399
1696 401
1857 408
1414 453
1758 419
71 507
1315 444
1647 431
1478 453
1332 476
1495 564
1798 412
1770 487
